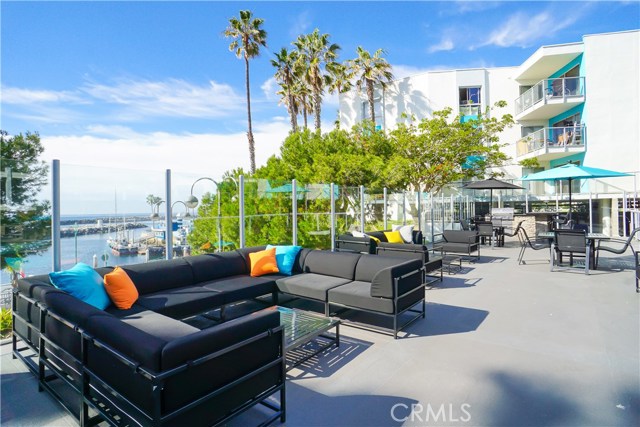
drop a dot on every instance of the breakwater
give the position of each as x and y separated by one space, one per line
83 230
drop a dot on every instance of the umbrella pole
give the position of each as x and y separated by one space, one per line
490 204
570 198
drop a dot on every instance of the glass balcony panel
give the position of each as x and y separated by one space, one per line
548 89
25 220
314 215
551 138
104 214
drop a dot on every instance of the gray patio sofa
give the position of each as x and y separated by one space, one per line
156 364
462 242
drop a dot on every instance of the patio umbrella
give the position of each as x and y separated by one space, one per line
491 184
570 172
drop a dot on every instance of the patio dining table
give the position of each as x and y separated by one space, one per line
593 237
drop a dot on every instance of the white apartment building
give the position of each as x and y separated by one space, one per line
575 102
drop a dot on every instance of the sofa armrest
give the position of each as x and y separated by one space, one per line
348 243
410 251
403 277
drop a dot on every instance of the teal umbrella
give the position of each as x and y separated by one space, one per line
569 172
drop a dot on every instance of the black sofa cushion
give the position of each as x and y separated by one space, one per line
214 266
160 275
182 302
237 288
331 264
153 323
310 285
358 295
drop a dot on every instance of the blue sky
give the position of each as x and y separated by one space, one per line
152 85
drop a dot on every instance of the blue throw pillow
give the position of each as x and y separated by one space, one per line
286 257
82 282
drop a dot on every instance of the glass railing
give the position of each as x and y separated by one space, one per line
106 214
551 138
550 89
25 220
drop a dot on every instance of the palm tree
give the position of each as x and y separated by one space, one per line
371 71
248 37
302 97
285 75
315 53
340 82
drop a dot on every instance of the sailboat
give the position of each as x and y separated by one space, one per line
121 245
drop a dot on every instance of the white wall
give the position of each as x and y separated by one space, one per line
612 106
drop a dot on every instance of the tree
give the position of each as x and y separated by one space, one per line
370 71
340 81
438 151
302 97
248 37
25 223
285 63
315 53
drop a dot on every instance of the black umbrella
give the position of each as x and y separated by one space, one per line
491 184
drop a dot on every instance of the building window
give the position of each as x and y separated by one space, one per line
469 103
377 108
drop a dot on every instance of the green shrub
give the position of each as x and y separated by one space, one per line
6 322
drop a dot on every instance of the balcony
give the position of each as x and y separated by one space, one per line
550 97
552 143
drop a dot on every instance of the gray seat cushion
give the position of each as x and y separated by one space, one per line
358 295
310 285
152 323
237 288
337 264
182 302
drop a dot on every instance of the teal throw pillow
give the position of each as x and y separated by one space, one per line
82 282
286 257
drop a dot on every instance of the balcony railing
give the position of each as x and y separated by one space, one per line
550 89
552 139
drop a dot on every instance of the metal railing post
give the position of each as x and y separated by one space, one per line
362 208
241 210
333 216
294 211
168 238
384 208
55 216
624 214
404 209
419 212
590 213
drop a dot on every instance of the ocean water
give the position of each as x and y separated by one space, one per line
80 249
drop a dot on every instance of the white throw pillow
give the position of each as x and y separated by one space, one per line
355 233
406 231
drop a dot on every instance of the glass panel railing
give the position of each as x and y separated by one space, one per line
268 210
550 89
551 138
105 213
347 209
374 211
25 220
314 216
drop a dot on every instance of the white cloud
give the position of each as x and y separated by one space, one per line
524 30
171 97
20 96
300 25
445 44
269 88
466 6
401 71
108 157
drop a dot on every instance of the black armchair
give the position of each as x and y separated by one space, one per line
536 244
574 243
615 246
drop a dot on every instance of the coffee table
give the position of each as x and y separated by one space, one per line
302 327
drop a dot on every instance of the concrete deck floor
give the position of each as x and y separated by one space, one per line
502 345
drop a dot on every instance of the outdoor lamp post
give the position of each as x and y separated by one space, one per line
192 202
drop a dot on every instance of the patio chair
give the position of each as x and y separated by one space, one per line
536 244
485 230
515 232
638 272
575 244
616 246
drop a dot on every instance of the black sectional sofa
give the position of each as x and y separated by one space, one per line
462 242
155 364
415 250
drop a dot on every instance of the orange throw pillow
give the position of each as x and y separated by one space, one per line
263 262
120 288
